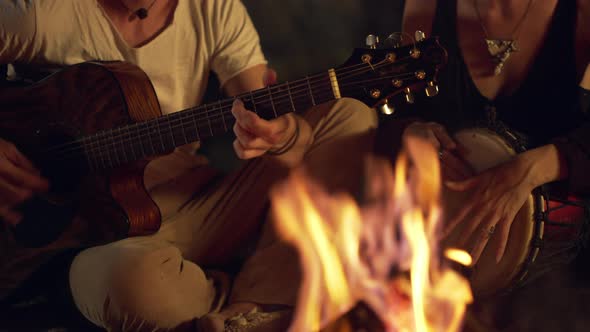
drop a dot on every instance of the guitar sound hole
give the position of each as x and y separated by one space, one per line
63 167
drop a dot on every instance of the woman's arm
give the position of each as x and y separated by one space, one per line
499 193
572 150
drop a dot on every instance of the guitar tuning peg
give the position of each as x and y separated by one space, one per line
419 36
375 93
409 96
394 40
385 109
372 41
431 89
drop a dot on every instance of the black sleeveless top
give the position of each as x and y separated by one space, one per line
542 108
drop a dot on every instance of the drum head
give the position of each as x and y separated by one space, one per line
486 149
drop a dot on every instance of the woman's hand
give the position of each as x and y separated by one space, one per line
499 193
496 196
19 180
453 167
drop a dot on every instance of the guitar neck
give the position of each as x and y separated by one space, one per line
370 75
118 146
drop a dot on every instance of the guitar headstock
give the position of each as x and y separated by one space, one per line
377 75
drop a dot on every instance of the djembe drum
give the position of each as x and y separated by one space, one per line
545 233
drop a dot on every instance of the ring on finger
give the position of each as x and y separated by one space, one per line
490 231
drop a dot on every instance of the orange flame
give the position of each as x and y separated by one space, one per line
348 253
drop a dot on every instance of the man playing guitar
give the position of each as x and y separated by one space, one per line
157 282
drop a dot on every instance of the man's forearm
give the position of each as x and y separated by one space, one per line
248 80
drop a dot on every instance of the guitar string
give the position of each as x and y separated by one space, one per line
346 73
254 96
104 151
292 89
115 143
108 134
181 117
113 146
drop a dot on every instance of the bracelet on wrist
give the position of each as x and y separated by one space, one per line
288 145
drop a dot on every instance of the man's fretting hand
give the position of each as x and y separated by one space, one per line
256 136
286 137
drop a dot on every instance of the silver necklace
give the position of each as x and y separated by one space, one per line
501 49
141 12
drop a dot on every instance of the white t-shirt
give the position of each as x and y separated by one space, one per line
204 35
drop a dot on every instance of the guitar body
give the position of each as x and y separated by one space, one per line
79 101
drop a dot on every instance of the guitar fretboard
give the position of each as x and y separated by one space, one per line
118 146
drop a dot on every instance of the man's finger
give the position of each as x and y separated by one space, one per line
22 178
11 153
249 141
251 122
20 160
10 217
270 77
244 153
12 195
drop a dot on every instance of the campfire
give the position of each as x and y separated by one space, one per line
383 253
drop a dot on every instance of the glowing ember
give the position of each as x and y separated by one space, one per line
383 253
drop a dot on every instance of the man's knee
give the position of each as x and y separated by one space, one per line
139 288
355 114
342 117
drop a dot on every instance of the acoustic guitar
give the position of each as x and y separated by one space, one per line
90 128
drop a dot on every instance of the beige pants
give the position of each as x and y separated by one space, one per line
156 282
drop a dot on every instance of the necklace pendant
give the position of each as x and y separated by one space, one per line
498 69
500 50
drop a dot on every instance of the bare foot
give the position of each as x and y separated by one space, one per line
246 317
215 322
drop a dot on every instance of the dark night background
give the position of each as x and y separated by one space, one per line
301 37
